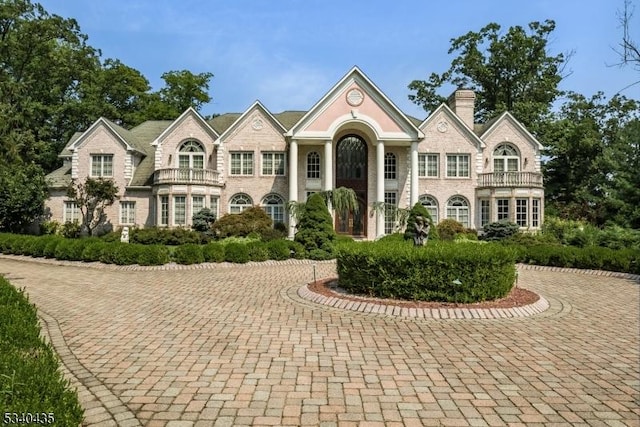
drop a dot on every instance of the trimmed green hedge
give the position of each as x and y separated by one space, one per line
440 271
30 379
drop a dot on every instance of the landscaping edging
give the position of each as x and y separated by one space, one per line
365 305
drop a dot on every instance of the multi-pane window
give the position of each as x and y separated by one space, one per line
197 204
484 212
214 203
535 212
273 163
390 166
521 212
71 212
239 203
309 193
179 210
458 209
503 209
390 205
191 155
242 163
431 205
101 165
127 213
273 205
313 165
458 165
164 210
427 165
505 158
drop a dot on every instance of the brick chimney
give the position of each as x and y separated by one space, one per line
462 103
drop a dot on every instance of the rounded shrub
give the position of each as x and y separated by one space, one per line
448 229
278 250
416 211
213 252
499 230
39 245
153 255
442 271
50 248
93 251
258 252
70 249
188 254
236 252
254 219
296 250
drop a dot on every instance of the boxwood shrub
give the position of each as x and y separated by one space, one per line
258 252
188 254
236 252
441 271
278 250
31 378
153 255
213 252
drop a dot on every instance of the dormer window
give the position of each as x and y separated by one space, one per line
191 155
506 158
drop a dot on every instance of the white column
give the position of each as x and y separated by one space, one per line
328 166
293 181
413 194
380 187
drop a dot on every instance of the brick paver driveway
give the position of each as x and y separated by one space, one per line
235 345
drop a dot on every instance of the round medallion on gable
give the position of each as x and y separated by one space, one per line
355 97
442 126
257 124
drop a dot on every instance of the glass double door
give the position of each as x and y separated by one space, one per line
351 172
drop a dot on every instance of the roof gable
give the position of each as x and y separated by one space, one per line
444 109
355 98
189 113
256 106
120 134
507 118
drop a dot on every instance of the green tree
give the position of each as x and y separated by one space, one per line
315 229
592 146
92 197
42 59
23 191
183 89
512 71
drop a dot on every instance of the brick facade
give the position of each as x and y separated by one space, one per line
167 170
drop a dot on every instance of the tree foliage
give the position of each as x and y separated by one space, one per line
92 197
512 71
593 147
315 229
23 191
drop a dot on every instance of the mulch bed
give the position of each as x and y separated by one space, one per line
518 297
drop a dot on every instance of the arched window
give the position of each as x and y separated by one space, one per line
239 202
458 209
431 205
313 165
273 205
506 158
389 166
191 155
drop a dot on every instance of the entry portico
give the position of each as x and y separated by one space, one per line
363 138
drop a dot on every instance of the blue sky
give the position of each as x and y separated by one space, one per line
288 53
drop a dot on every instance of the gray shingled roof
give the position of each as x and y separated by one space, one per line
60 178
65 151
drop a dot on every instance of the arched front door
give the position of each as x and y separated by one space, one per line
351 172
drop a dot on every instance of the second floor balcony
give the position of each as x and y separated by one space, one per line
510 179
186 176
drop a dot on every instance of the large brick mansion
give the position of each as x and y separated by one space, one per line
354 137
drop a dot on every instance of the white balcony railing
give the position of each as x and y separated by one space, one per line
510 179
186 176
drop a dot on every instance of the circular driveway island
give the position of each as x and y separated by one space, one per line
236 345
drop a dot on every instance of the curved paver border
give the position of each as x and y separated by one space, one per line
371 306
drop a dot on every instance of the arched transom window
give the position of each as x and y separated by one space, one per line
431 205
506 158
191 155
239 202
273 205
458 209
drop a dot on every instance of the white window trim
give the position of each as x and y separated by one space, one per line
243 164
101 174
458 156
132 205
175 211
426 165
272 154
76 215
